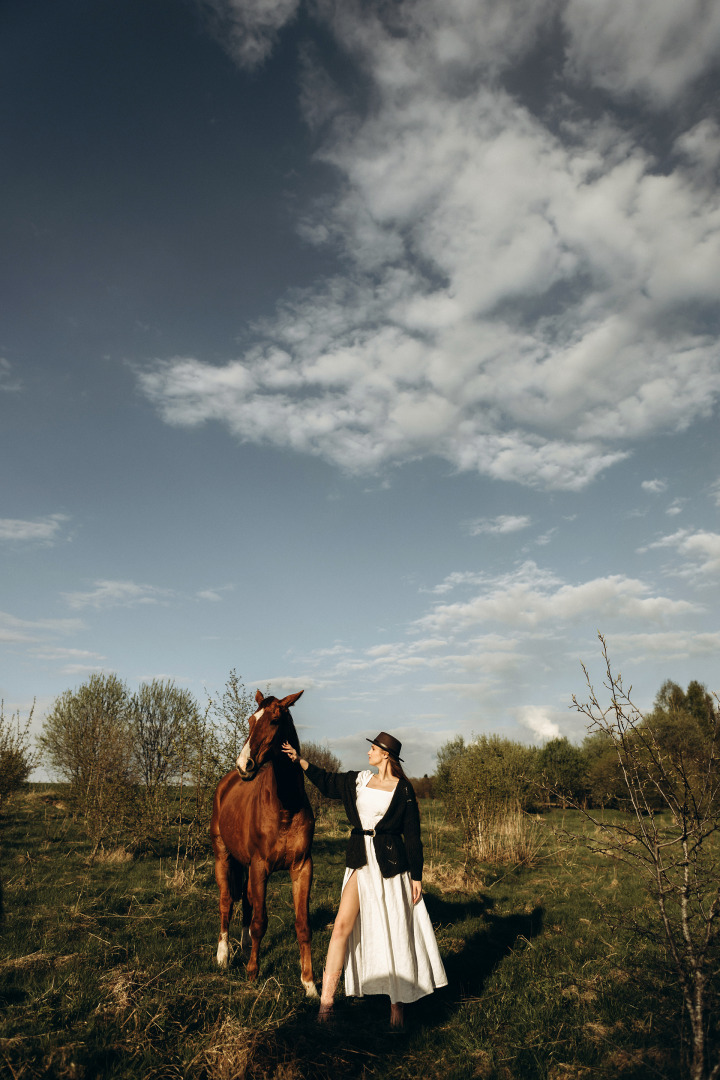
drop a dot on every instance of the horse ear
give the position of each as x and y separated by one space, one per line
259 697
291 699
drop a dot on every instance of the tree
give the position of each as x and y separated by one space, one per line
163 718
606 786
87 739
230 712
670 835
448 756
158 711
17 759
563 768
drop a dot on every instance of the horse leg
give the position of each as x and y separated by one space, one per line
223 878
246 911
257 888
301 877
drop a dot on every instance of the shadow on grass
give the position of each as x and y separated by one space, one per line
359 1040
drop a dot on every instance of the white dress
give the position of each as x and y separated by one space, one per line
392 948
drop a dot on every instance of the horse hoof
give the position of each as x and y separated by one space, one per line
310 988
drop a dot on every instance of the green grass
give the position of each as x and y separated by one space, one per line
107 970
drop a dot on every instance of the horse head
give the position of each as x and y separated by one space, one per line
270 727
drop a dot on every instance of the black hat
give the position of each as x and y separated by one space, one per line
387 742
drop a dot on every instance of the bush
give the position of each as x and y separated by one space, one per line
17 759
162 721
230 712
477 779
323 757
506 834
87 739
563 770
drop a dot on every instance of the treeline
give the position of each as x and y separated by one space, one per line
142 767
492 771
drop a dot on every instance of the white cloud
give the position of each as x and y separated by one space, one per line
77 655
700 146
670 644
700 551
44 530
517 297
9 384
546 537
214 595
117 594
655 487
248 29
539 722
654 48
532 597
14 630
81 669
504 523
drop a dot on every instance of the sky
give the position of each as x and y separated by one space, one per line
369 349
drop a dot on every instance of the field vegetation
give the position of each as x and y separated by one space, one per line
574 893
107 965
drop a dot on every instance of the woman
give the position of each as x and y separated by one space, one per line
382 934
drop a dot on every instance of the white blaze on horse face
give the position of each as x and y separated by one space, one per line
245 752
223 953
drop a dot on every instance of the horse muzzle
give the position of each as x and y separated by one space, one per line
248 772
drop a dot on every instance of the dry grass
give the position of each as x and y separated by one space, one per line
118 987
451 878
182 879
113 855
234 1051
33 960
506 834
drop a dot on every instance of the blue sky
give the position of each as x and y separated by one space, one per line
369 349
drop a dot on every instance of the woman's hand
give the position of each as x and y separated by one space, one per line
293 755
416 891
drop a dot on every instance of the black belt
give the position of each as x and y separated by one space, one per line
370 832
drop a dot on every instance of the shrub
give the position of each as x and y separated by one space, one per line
562 770
505 834
162 719
17 759
323 757
484 778
87 739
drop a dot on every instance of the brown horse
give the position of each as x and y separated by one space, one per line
261 822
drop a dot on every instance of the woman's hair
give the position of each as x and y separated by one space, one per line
396 768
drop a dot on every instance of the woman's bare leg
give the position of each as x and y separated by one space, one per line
342 928
397 1015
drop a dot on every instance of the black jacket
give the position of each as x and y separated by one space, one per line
401 819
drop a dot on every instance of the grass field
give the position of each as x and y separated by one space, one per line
107 970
